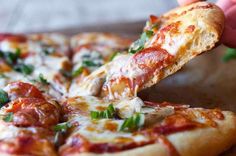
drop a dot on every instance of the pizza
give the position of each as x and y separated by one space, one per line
92 50
78 96
166 44
40 59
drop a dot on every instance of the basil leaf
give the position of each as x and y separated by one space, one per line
8 117
113 56
108 113
229 55
3 98
48 50
42 79
66 73
139 44
133 123
23 68
61 127
89 63
77 71
3 75
94 114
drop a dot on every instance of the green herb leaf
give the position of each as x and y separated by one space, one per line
3 98
61 127
229 55
66 73
2 75
108 113
94 114
48 50
23 68
139 44
89 63
133 123
42 80
113 56
77 71
8 117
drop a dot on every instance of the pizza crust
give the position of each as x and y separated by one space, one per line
201 141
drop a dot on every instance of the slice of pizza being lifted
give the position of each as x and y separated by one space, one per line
167 43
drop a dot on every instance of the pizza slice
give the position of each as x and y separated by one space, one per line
136 127
92 50
40 59
26 121
167 43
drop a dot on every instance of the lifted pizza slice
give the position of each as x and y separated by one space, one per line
167 43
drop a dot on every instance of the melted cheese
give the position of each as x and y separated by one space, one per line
127 108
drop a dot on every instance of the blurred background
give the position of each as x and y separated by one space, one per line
53 15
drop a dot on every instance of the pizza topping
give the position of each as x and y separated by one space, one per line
113 56
33 112
62 127
108 113
8 117
10 57
139 44
133 123
126 108
20 89
3 98
13 59
25 69
78 71
42 80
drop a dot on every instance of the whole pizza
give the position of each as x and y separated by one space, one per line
79 96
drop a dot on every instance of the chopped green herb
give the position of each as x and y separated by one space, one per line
113 55
77 71
61 127
229 55
3 75
108 113
42 80
139 44
89 63
8 117
133 123
10 58
48 50
3 98
66 73
23 68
